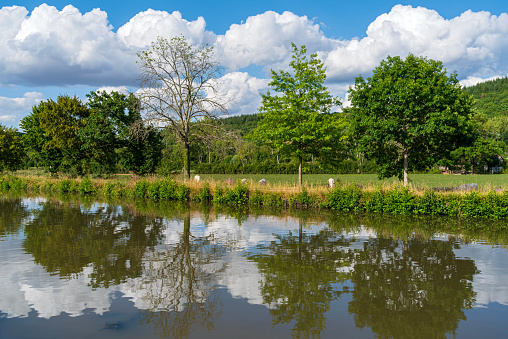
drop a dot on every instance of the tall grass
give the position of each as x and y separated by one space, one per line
385 197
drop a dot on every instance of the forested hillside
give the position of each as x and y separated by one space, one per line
491 97
242 123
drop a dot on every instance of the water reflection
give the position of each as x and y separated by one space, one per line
410 289
179 282
299 271
66 239
181 266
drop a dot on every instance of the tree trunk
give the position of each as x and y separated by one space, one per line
406 167
299 171
186 160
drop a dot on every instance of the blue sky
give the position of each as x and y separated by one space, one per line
62 47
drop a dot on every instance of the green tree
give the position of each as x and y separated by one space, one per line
482 154
106 129
410 289
297 120
300 271
52 133
409 115
179 86
11 149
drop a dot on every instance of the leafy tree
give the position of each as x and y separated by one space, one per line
299 272
52 133
483 153
108 137
297 120
11 149
410 289
106 129
409 115
179 86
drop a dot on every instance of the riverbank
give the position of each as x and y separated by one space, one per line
392 199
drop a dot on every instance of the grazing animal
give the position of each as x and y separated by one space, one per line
331 183
197 178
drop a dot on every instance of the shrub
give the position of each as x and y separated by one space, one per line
205 194
167 189
239 195
140 189
182 192
86 186
344 198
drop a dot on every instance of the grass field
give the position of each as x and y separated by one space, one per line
485 182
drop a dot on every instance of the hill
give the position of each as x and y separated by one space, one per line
243 123
491 96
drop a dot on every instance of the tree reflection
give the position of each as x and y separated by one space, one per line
410 289
66 239
299 272
179 285
12 214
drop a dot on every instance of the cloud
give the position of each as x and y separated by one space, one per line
473 44
471 81
265 39
146 26
109 89
242 92
52 47
13 109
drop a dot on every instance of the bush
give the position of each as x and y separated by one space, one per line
345 198
86 186
140 189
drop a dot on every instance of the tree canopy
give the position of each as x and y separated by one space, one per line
409 114
11 149
297 120
179 86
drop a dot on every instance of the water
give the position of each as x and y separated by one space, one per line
84 269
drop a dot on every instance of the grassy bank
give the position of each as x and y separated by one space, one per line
344 197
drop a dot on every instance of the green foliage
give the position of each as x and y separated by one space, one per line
176 82
140 189
399 200
409 115
52 134
297 121
303 197
64 186
205 193
11 149
238 195
483 153
344 198
106 131
86 186
491 97
167 189
182 192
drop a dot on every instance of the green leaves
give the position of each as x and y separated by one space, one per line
409 108
297 119
11 149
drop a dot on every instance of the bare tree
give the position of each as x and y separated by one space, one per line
179 87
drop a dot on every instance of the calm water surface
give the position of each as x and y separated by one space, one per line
95 270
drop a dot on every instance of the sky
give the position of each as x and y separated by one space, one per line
72 48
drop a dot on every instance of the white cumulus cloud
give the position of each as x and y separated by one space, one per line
13 109
473 44
242 92
265 39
